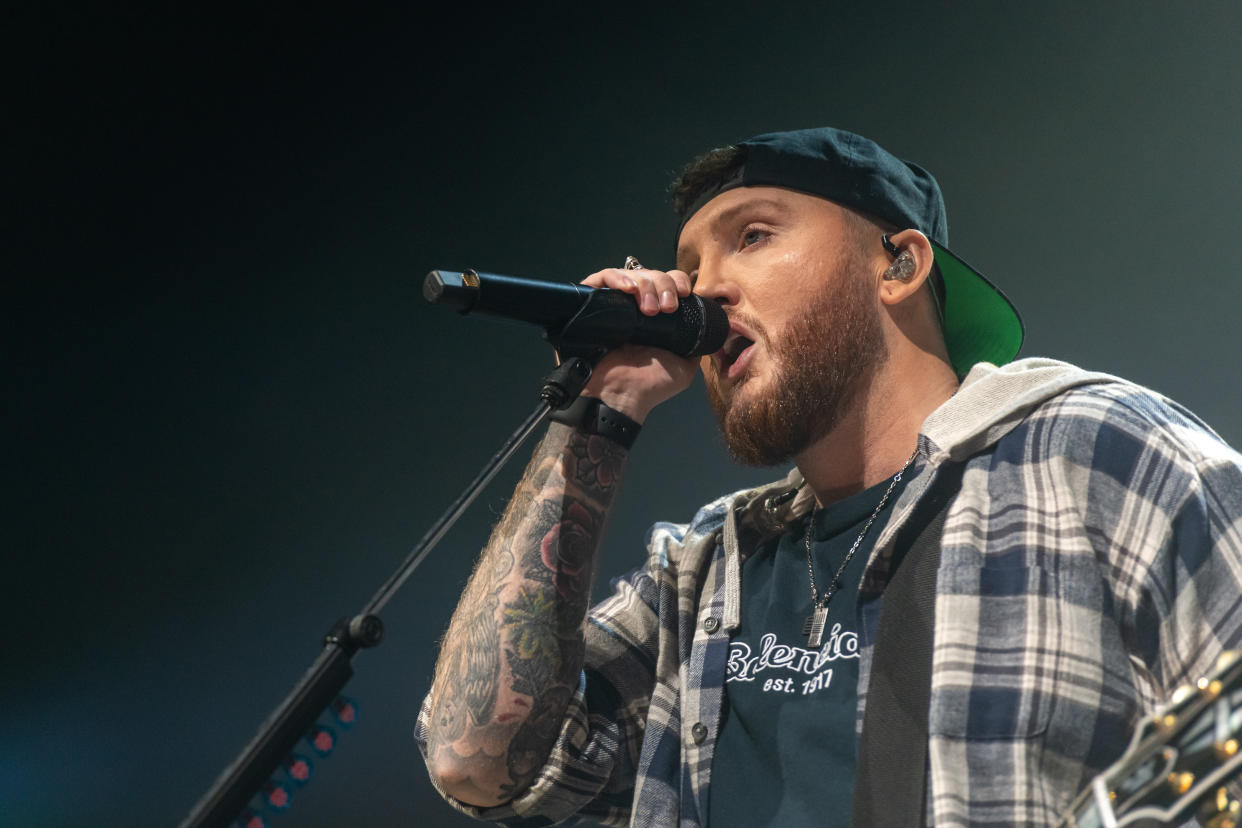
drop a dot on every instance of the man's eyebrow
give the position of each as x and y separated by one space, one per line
728 215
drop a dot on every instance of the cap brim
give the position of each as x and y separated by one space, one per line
980 323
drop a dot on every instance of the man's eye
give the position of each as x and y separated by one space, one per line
753 235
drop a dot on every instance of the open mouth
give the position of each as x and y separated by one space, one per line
732 350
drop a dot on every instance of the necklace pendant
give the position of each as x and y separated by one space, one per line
813 627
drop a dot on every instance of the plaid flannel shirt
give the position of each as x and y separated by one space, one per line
1091 562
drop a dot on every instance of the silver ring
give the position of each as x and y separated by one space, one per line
633 264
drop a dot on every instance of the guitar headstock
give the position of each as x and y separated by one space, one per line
1178 762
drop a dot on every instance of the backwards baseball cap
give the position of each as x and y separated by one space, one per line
980 324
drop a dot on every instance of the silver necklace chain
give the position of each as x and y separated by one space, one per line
815 621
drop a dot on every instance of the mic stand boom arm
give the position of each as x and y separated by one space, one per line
332 669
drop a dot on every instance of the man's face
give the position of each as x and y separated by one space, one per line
805 330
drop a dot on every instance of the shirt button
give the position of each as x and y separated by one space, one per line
711 624
698 733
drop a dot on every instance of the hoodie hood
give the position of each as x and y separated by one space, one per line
991 401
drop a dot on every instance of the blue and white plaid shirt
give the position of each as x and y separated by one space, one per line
1090 563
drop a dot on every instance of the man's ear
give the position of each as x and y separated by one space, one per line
909 268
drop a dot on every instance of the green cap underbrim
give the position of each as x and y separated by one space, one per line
980 323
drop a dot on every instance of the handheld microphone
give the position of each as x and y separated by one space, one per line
582 316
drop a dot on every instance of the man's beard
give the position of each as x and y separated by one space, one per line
821 364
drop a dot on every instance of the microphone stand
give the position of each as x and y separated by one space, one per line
323 681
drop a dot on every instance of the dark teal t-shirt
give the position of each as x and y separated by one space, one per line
786 752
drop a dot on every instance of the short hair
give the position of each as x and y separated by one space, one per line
704 174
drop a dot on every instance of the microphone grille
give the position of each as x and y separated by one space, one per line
705 325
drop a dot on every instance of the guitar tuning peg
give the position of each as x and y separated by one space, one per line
1181 782
1225 749
1209 687
1219 811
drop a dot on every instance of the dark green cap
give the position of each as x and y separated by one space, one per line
980 323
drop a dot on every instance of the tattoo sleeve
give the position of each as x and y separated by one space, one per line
511 658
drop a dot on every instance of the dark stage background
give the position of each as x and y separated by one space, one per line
231 413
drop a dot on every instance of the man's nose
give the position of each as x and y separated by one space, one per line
714 282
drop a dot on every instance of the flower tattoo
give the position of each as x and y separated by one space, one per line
567 547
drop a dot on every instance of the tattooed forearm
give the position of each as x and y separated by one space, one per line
512 655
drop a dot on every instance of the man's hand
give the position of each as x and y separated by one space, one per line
635 379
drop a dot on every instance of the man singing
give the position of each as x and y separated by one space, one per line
1078 535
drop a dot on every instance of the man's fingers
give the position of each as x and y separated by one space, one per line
682 279
654 290
613 277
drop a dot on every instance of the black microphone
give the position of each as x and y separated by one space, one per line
582 316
